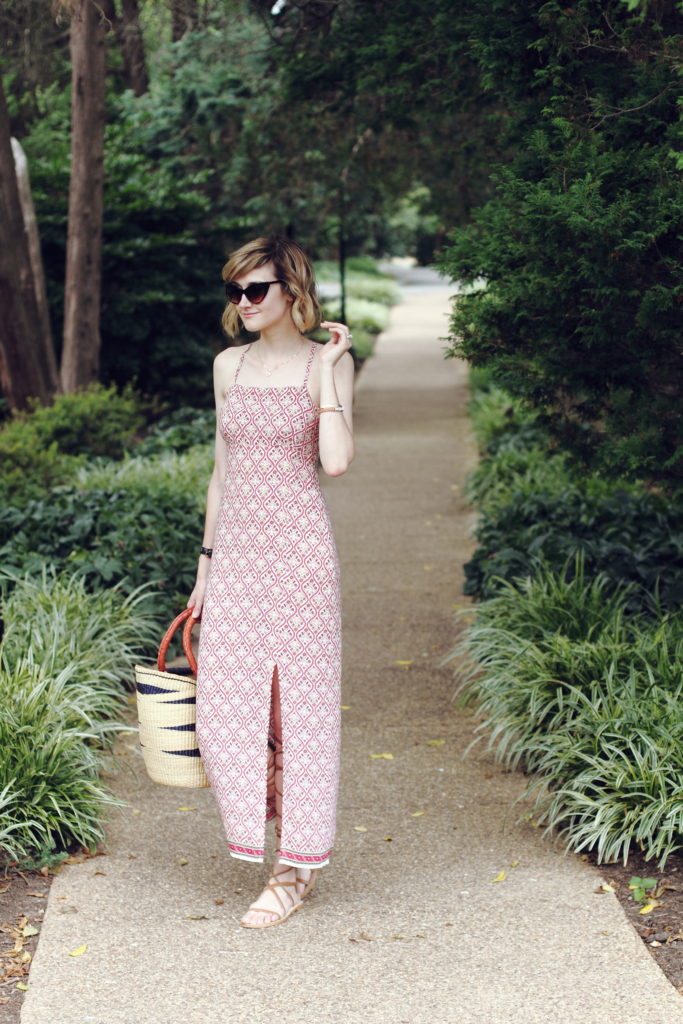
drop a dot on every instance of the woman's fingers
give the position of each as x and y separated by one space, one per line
195 601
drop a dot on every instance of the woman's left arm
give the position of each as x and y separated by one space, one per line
336 388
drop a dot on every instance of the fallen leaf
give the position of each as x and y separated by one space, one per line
417 814
382 757
136 810
3 891
435 743
219 903
406 663
79 951
368 938
346 707
186 808
500 877
649 907
514 863
359 828
28 931
38 895
22 986
388 839
99 872
605 887
181 861
427 568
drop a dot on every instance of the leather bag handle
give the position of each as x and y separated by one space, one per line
186 617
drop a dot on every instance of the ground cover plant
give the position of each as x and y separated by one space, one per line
575 655
586 697
65 659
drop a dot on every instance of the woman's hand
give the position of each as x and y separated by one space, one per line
196 599
339 343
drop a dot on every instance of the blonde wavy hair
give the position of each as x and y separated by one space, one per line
292 267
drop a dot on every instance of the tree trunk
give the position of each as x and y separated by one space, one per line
35 255
81 350
184 15
130 37
27 370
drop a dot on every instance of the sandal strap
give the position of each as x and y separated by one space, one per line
273 887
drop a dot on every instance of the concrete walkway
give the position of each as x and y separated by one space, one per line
406 925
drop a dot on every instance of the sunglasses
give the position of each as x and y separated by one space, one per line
255 292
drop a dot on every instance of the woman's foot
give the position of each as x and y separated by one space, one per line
283 894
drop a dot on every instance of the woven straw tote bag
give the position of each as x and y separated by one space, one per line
167 714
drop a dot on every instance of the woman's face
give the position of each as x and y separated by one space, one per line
273 311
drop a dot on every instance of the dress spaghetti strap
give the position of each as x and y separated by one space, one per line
239 365
310 360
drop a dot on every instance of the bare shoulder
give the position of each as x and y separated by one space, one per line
225 367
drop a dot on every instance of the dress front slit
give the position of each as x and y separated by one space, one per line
272 602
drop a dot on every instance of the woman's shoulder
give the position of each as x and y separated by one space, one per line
225 366
229 357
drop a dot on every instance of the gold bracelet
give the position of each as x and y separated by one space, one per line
330 408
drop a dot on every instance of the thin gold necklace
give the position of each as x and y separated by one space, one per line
277 366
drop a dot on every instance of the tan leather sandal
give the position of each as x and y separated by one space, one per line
309 884
287 910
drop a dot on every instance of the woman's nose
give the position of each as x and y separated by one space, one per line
244 300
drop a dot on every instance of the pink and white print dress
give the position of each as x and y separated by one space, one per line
272 599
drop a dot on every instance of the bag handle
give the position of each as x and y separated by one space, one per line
186 617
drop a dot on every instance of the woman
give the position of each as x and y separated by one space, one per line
268 681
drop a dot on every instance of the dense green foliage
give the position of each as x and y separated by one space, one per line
535 512
129 534
64 659
575 654
575 264
39 450
587 698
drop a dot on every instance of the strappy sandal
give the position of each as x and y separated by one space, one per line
286 910
309 884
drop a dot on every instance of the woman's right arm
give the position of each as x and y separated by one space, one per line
214 493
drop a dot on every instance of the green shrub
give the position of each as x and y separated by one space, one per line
629 536
128 536
44 448
95 421
160 476
383 290
496 415
587 697
360 314
179 430
514 470
28 467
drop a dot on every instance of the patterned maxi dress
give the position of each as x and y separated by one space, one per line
272 599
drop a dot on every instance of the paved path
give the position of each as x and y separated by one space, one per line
406 926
